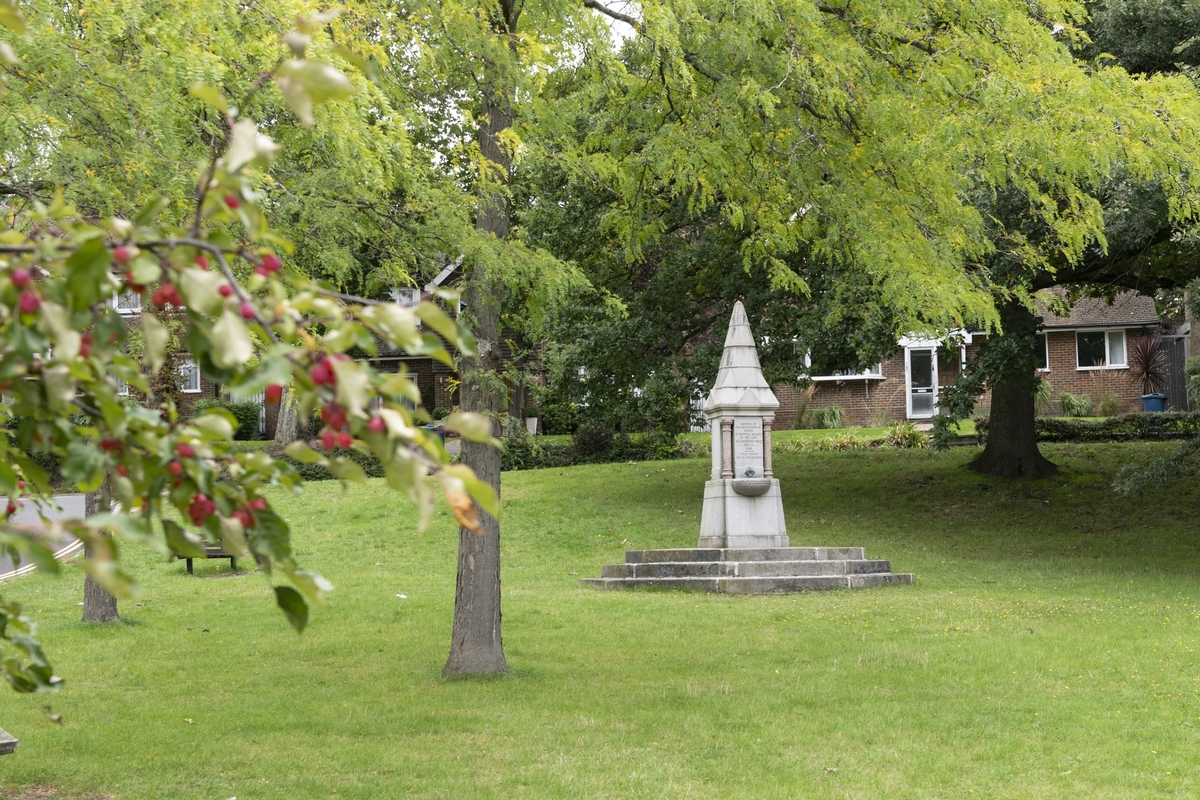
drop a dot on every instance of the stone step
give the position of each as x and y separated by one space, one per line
775 585
743 569
764 554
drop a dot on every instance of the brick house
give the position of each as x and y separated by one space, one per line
1085 352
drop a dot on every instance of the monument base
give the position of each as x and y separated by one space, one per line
742 514
753 571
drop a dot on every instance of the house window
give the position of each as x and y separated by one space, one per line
122 386
189 377
1043 352
1100 349
406 296
127 303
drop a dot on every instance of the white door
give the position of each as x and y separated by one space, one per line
920 372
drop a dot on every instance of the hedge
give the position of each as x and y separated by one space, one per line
1155 426
246 412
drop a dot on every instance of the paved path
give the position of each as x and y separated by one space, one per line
72 508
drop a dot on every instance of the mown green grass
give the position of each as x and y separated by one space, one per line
1048 649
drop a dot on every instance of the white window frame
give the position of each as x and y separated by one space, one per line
189 372
122 386
406 296
1046 351
1110 362
871 373
115 302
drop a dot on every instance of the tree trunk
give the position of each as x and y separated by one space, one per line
98 604
1011 450
476 647
287 427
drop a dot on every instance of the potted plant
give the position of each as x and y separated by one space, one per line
531 419
1148 365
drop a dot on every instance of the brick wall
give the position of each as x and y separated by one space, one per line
1065 376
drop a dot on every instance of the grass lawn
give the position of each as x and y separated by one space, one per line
1048 649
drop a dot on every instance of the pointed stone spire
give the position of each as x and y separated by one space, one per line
740 383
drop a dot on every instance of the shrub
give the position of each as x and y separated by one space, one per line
828 417
1043 394
1191 370
1121 428
439 413
1075 405
522 451
592 444
906 435
1108 404
532 412
246 412
559 418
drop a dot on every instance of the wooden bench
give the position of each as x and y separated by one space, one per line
214 551
8 743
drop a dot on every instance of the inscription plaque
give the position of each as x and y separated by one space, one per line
748 448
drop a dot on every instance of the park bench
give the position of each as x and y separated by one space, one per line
213 551
8 743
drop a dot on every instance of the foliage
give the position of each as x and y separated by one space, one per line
1075 405
246 414
1191 371
531 412
906 435
1043 394
1148 363
59 268
827 417
1108 404
593 443
439 413
1124 427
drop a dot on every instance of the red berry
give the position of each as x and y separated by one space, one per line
175 468
225 290
231 201
202 261
262 272
377 425
122 254
328 439
28 302
21 485
245 517
247 310
274 393
345 440
258 504
20 277
322 373
334 415
271 262
109 445
85 345
185 450
12 508
122 470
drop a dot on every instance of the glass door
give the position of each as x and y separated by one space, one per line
922 382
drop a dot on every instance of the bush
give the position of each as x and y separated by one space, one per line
1121 428
827 418
532 412
1108 404
1191 370
906 435
1043 394
559 418
592 444
439 413
370 464
1075 405
246 412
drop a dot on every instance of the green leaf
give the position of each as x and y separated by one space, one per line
216 424
87 274
209 95
347 470
303 453
311 585
155 348
293 606
129 527
230 339
11 17
480 491
322 82
433 316
248 146
182 542
353 385
470 425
